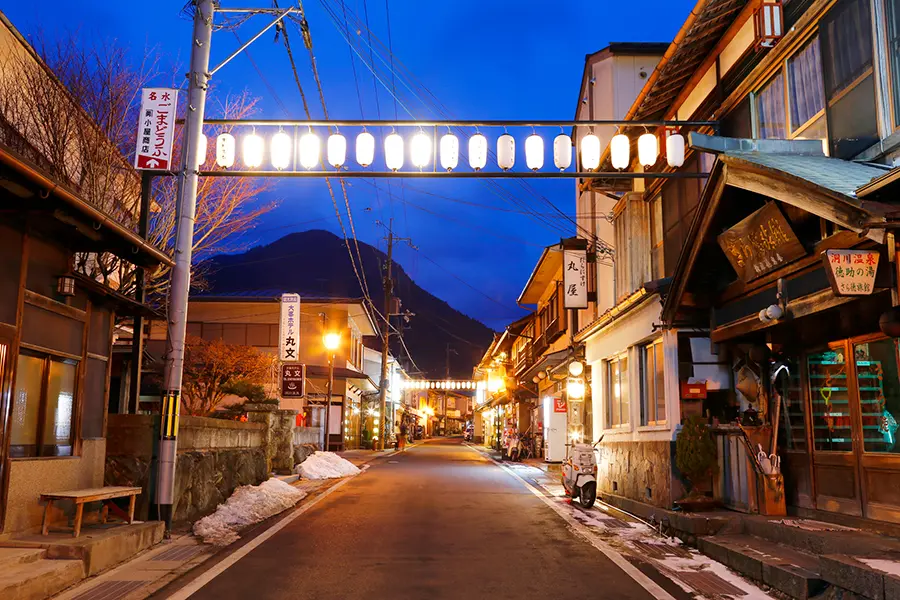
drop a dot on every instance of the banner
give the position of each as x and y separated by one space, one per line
289 331
575 279
156 129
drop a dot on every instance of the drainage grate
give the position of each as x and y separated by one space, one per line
709 584
179 553
111 590
613 523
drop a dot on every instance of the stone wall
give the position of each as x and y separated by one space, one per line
215 457
641 471
278 438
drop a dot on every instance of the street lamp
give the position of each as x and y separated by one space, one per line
331 341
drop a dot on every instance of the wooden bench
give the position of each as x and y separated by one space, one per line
80 497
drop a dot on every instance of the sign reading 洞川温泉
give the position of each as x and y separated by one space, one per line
851 272
156 129
289 330
575 279
292 381
761 243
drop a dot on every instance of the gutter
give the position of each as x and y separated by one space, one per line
614 313
74 201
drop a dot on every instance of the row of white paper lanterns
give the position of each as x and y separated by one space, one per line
441 385
310 151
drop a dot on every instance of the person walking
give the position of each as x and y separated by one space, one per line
401 439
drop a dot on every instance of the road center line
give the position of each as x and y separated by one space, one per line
617 558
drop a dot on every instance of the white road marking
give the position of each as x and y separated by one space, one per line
188 590
611 553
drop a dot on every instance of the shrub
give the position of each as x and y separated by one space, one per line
695 450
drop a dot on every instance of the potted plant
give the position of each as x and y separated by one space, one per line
695 457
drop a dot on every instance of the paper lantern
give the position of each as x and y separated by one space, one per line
225 146
310 150
675 150
506 151
620 151
253 149
393 152
478 149
449 152
590 152
534 152
365 149
420 150
648 149
201 149
562 152
336 150
281 150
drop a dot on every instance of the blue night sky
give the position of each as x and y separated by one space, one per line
482 60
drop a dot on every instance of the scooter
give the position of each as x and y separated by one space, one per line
579 473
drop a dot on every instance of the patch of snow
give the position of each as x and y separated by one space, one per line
700 562
892 567
248 504
325 465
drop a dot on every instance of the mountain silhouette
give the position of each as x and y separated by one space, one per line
316 263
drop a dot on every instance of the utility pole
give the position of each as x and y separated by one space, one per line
198 82
386 332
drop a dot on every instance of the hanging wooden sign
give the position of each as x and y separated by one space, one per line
851 272
761 243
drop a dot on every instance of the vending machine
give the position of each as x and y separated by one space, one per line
555 428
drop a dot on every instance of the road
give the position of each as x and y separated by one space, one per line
439 521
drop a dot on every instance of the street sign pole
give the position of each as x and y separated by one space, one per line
184 241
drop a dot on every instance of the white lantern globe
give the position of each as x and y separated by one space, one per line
202 145
310 150
620 151
534 152
393 152
449 152
478 149
281 150
252 150
506 151
562 152
648 149
590 152
675 150
365 149
336 149
420 150
225 146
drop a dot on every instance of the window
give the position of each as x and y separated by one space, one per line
879 394
653 394
657 263
679 203
621 247
830 399
806 90
770 109
893 39
619 407
43 407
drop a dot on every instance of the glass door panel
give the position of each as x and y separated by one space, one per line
879 394
830 401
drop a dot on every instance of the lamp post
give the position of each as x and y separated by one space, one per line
332 342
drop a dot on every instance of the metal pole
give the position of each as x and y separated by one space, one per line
330 391
140 294
184 241
388 295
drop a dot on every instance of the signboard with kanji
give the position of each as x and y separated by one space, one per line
289 331
575 279
761 243
559 405
156 129
851 272
292 380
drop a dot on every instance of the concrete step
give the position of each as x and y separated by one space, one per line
787 570
816 537
10 557
39 579
877 579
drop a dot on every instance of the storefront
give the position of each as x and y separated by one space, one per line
791 289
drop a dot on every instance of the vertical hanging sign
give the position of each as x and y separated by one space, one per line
289 330
156 129
575 278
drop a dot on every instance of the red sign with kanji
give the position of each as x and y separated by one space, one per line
156 129
559 405
852 272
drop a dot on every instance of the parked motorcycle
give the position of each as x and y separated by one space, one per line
579 473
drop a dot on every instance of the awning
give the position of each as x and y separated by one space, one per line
123 305
548 361
360 380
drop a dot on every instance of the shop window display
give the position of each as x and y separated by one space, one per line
830 398
879 394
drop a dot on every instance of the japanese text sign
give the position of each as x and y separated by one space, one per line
575 279
289 331
761 243
156 129
292 381
559 405
851 272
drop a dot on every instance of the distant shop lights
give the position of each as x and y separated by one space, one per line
282 150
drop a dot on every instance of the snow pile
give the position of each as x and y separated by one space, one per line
325 465
248 504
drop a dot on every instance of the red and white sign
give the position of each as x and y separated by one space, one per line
156 129
559 405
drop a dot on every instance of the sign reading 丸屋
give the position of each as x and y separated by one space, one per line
289 331
156 129
293 381
851 272
575 278
761 243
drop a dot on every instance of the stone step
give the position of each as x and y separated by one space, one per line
40 579
787 570
876 579
10 557
816 537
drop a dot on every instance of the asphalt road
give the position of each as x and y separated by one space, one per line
438 521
